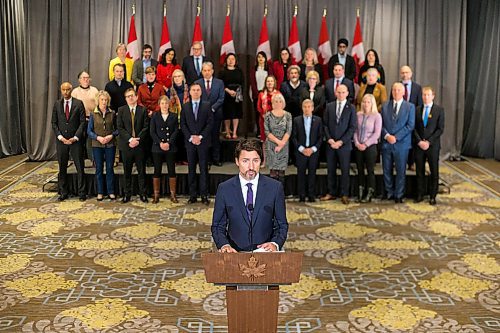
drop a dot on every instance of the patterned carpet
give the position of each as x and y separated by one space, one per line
108 267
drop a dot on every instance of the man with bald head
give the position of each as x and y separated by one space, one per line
191 64
339 121
68 124
398 121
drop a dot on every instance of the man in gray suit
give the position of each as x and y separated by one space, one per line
140 65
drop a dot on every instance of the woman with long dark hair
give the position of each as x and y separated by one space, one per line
233 79
166 67
280 66
371 61
257 78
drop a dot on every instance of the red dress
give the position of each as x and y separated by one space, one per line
149 99
164 74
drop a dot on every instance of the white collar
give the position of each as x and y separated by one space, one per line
254 181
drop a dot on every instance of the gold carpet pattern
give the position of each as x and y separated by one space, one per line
379 267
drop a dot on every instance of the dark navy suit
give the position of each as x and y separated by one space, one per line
216 100
231 224
343 131
401 126
330 89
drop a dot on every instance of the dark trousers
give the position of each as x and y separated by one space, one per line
397 157
131 156
343 158
432 156
63 153
216 136
197 155
101 155
159 158
366 159
309 164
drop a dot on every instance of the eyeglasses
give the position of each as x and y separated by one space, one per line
129 96
197 48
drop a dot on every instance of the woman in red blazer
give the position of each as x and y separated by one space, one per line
150 92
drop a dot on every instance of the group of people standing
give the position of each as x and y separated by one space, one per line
175 114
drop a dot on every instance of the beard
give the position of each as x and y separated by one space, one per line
250 174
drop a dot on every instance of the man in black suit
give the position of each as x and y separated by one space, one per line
68 124
339 123
212 91
191 64
116 88
338 79
307 136
196 125
133 125
429 126
291 90
343 58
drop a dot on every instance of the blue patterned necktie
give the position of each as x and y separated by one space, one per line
249 205
426 115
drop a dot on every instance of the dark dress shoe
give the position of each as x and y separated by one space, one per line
62 197
192 200
398 200
419 199
345 200
100 197
126 199
302 199
432 201
205 201
311 199
143 198
219 164
83 197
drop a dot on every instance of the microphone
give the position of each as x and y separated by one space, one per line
250 209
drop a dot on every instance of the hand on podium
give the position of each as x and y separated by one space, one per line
227 249
267 247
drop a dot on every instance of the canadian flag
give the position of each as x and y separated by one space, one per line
294 42
197 36
165 38
324 47
227 41
264 44
358 51
133 44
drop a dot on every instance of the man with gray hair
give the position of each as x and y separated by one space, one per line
191 64
398 121
213 92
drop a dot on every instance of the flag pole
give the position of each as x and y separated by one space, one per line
265 10
324 12
228 9
357 11
133 8
164 8
295 10
198 8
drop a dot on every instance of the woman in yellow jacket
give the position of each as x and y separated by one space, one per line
121 52
372 87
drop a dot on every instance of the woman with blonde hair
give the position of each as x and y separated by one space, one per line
102 130
278 128
311 63
163 129
366 138
264 105
314 92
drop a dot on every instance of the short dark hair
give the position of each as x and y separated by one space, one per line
248 145
119 65
147 46
130 90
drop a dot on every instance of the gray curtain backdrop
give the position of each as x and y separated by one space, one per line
12 37
66 36
482 101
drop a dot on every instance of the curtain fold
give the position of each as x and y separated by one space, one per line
65 37
12 80
482 101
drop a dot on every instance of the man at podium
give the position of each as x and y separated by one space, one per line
249 210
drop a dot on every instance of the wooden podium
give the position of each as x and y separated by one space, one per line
252 286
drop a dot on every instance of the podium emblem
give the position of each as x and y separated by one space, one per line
252 269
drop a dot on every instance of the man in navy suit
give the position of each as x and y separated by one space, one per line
68 122
191 64
249 211
398 121
339 123
429 126
196 125
213 92
338 79
343 58
307 136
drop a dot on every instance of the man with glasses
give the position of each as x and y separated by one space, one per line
191 64
133 126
